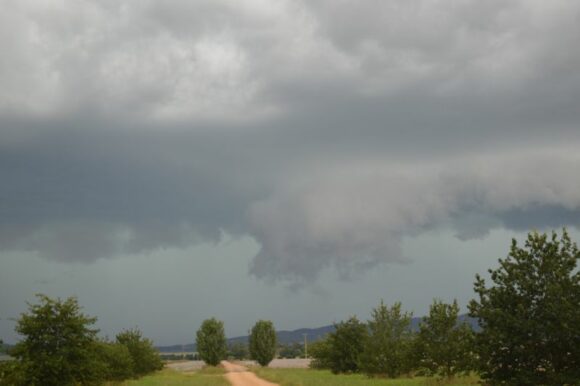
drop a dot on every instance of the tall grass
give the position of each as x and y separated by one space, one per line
168 377
310 377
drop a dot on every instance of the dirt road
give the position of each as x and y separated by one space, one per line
240 376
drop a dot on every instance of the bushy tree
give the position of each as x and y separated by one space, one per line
445 346
320 352
211 341
388 348
530 315
238 350
117 361
292 350
58 345
347 343
263 342
145 357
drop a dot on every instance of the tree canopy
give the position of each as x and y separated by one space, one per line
530 315
263 342
444 346
58 346
211 341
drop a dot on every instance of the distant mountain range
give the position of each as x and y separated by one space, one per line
312 334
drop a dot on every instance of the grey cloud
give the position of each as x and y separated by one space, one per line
127 127
356 217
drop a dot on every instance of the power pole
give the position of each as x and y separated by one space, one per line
305 346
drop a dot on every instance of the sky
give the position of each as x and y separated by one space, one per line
292 160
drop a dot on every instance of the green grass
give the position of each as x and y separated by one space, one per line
167 377
309 377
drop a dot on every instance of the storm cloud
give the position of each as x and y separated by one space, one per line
327 131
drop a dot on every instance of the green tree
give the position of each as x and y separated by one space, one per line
117 360
145 358
58 345
320 352
291 350
445 347
388 348
347 343
263 342
531 314
238 350
211 341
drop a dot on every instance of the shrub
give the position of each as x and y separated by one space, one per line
388 350
144 356
346 345
444 347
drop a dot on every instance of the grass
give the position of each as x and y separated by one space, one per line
168 377
309 377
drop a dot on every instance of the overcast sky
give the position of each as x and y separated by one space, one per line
170 161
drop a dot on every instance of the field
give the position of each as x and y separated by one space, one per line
307 377
168 377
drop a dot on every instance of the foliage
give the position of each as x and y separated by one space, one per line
388 348
238 351
211 341
445 347
292 350
58 345
144 356
347 343
168 377
263 342
320 352
11 374
310 377
531 313
117 359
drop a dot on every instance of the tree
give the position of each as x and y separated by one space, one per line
320 352
263 342
117 359
211 341
347 343
238 350
145 358
530 314
58 346
387 351
445 347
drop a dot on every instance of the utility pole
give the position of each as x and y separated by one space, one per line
305 346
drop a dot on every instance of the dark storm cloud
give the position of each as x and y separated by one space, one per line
133 126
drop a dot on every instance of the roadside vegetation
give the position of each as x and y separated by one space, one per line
529 317
312 377
168 377
60 347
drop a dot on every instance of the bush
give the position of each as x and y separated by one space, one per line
320 351
144 356
444 347
263 342
211 342
388 349
117 360
346 345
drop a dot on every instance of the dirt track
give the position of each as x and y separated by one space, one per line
240 376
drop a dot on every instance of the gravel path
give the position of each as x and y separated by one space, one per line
239 375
